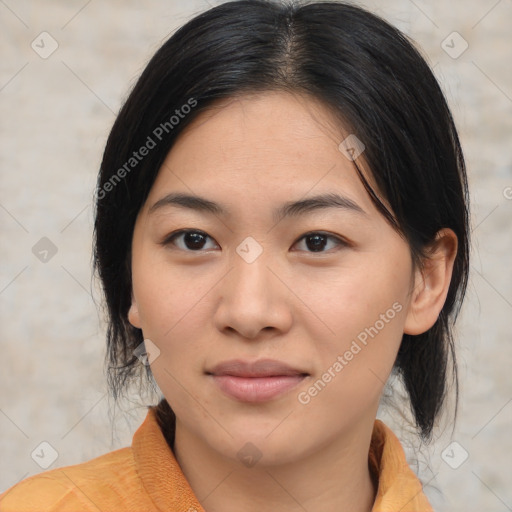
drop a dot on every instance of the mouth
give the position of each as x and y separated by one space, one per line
257 381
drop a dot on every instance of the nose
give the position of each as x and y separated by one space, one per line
254 302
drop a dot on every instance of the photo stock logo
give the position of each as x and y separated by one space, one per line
147 352
44 250
454 455
351 147
249 455
152 140
454 45
361 341
249 249
44 45
44 455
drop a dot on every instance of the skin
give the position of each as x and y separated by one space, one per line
202 307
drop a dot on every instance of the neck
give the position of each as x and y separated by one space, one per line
335 478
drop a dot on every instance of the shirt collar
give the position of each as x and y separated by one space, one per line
165 483
398 488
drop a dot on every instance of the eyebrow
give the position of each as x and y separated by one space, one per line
288 209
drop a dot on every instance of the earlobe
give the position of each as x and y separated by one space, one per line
133 315
432 283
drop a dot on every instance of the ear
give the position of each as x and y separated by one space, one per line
431 283
133 314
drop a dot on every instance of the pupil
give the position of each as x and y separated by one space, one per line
194 240
319 242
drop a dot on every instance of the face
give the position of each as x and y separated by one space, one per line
275 326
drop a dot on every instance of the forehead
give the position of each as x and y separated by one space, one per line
268 124
274 145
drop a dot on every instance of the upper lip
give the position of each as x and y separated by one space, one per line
260 368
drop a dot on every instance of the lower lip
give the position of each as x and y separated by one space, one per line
256 389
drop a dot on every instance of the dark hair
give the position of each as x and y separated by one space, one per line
368 74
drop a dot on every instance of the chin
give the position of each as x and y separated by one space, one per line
265 446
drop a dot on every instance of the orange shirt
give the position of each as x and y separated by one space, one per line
147 478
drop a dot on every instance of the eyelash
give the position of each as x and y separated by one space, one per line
169 240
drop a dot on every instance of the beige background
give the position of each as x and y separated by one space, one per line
55 116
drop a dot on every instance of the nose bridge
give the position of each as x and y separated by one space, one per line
250 274
252 298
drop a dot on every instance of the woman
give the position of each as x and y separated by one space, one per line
281 222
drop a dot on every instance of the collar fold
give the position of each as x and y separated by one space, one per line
398 487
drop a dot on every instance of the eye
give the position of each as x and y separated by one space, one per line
193 240
317 241
190 240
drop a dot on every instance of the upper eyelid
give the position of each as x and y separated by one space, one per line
340 239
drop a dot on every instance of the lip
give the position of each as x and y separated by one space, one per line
257 381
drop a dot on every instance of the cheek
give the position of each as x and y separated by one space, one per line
173 315
168 298
354 363
347 300
359 314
